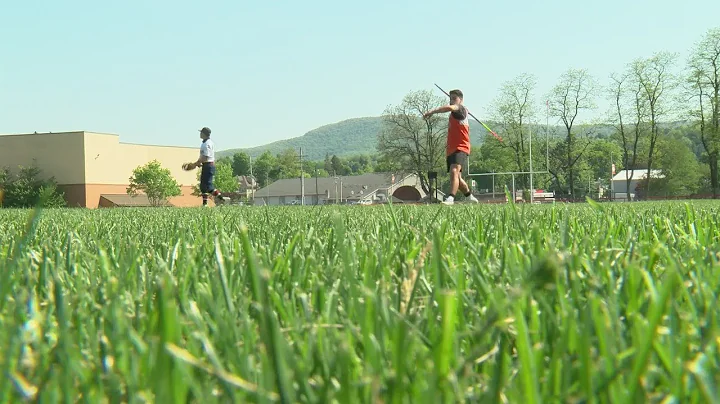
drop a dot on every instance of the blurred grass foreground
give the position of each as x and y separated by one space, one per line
612 303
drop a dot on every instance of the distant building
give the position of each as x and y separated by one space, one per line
362 189
620 180
246 185
93 169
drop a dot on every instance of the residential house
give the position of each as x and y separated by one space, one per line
620 181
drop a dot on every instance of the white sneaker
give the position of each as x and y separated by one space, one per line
472 199
449 201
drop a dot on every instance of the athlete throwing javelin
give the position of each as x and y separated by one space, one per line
458 145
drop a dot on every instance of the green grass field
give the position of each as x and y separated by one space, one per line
612 303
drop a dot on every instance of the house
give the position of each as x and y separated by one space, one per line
93 169
357 189
246 185
620 180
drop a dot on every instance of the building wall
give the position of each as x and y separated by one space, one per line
108 161
109 165
620 186
93 192
59 155
86 164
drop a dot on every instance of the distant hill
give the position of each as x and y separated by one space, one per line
348 137
359 136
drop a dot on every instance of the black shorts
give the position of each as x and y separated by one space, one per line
460 158
207 174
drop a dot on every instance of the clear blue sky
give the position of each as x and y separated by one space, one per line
259 71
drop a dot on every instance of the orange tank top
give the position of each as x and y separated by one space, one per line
458 132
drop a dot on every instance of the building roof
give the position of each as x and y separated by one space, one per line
139 200
354 187
637 174
246 181
78 132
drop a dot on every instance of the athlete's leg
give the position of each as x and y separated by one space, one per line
462 185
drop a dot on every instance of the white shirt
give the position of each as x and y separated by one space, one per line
207 149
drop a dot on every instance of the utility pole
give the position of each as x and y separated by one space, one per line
336 189
302 180
611 195
252 182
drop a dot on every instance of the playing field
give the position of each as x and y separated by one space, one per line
615 303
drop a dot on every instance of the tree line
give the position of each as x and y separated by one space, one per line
268 168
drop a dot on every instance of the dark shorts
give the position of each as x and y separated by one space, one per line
207 174
460 158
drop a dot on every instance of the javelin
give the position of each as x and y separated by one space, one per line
486 127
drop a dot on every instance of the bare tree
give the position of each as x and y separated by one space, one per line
628 100
704 85
417 144
513 110
574 93
656 80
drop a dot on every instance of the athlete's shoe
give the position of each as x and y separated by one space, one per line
472 199
449 200
222 200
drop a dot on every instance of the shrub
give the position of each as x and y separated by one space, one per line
154 181
26 188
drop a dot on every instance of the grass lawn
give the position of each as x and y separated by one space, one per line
610 303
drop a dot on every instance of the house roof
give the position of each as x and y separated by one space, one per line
637 174
354 187
129 200
246 181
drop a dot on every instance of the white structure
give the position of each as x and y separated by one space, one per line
360 189
620 180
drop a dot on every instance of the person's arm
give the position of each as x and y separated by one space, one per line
439 110
203 156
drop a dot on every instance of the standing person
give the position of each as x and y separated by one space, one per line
457 150
207 163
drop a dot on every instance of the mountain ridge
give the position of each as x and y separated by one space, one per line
355 136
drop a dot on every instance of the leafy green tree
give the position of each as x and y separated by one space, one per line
599 158
328 163
154 181
491 156
27 189
263 168
224 179
681 169
704 86
241 164
287 164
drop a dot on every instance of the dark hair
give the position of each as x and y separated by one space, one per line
205 131
457 93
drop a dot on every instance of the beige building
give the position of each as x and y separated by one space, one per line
90 167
